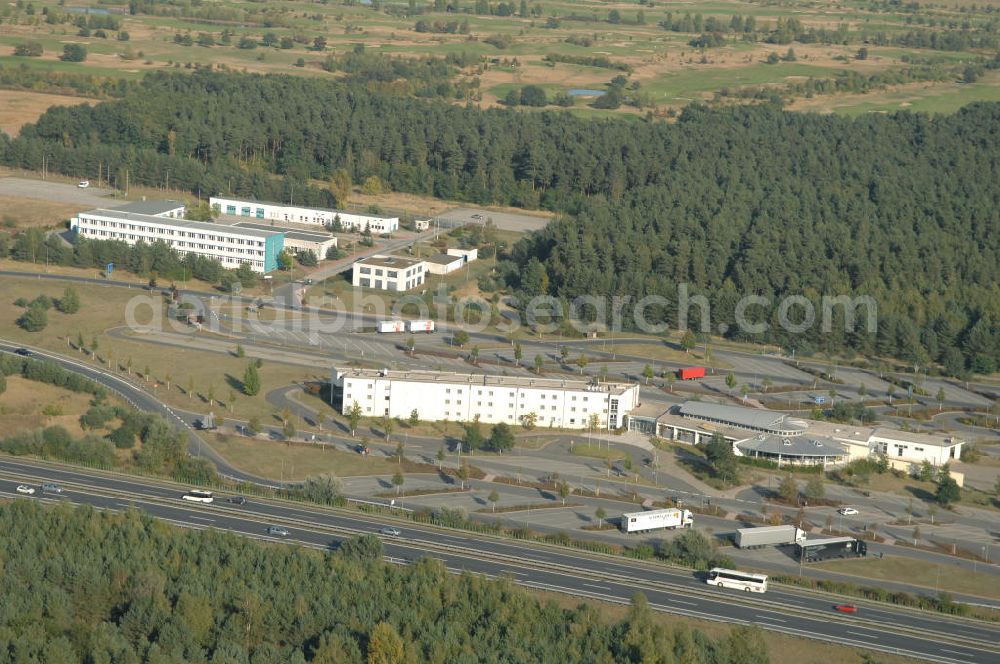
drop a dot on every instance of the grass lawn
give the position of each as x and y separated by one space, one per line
922 572
103 308
596 452
22 403
276 460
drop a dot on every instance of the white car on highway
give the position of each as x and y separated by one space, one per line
848 511
25 489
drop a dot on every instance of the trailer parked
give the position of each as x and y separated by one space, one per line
827 548
689 373
425 326
635 522
391 326
755 538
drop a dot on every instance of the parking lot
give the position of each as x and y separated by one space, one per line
60 192
507 221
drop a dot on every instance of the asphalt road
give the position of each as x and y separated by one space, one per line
929 636
143 401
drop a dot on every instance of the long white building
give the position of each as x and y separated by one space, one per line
230 245
376 223
459 397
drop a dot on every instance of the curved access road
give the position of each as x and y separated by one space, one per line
141 400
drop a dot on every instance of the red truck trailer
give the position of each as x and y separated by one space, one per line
688 373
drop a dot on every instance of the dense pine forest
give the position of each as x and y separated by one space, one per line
87 586
733 201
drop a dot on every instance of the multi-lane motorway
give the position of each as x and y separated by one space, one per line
880 627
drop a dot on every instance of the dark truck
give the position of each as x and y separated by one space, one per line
828 548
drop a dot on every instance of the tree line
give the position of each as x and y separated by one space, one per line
128 588
730 201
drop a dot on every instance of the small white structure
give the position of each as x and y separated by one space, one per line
463 397
443 264
231 246
468 255
391 273
421 224
260 210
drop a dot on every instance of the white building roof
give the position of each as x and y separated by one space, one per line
935 440
395 262
490 380
201 226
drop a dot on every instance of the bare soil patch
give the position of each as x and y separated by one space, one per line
19 107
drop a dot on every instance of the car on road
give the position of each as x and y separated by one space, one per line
50 487
83 184
848 511
25 489
389 530
237 500
477 216
279 531
23 352
846 608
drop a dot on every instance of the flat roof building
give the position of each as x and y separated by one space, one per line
297 240
376 223
392 273
916 447
443 264
435 395
229 245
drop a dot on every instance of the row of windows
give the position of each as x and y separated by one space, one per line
174 243
181 247
391 274
156 230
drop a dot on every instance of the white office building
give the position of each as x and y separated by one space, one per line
230 245
915 447
459 397
376 223
391 273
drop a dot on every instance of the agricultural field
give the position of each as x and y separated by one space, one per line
843 57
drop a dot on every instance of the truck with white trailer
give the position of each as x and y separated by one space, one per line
754 538
391 326
425 326
637 522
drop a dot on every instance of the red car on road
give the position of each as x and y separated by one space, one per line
846 608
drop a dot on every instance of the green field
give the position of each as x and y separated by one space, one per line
669 72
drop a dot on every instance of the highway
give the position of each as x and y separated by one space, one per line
885 628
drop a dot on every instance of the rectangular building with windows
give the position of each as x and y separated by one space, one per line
230 245
915 447
391 273
550 402
376 223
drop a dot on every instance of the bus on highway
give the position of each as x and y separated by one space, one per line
729 578
199 496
